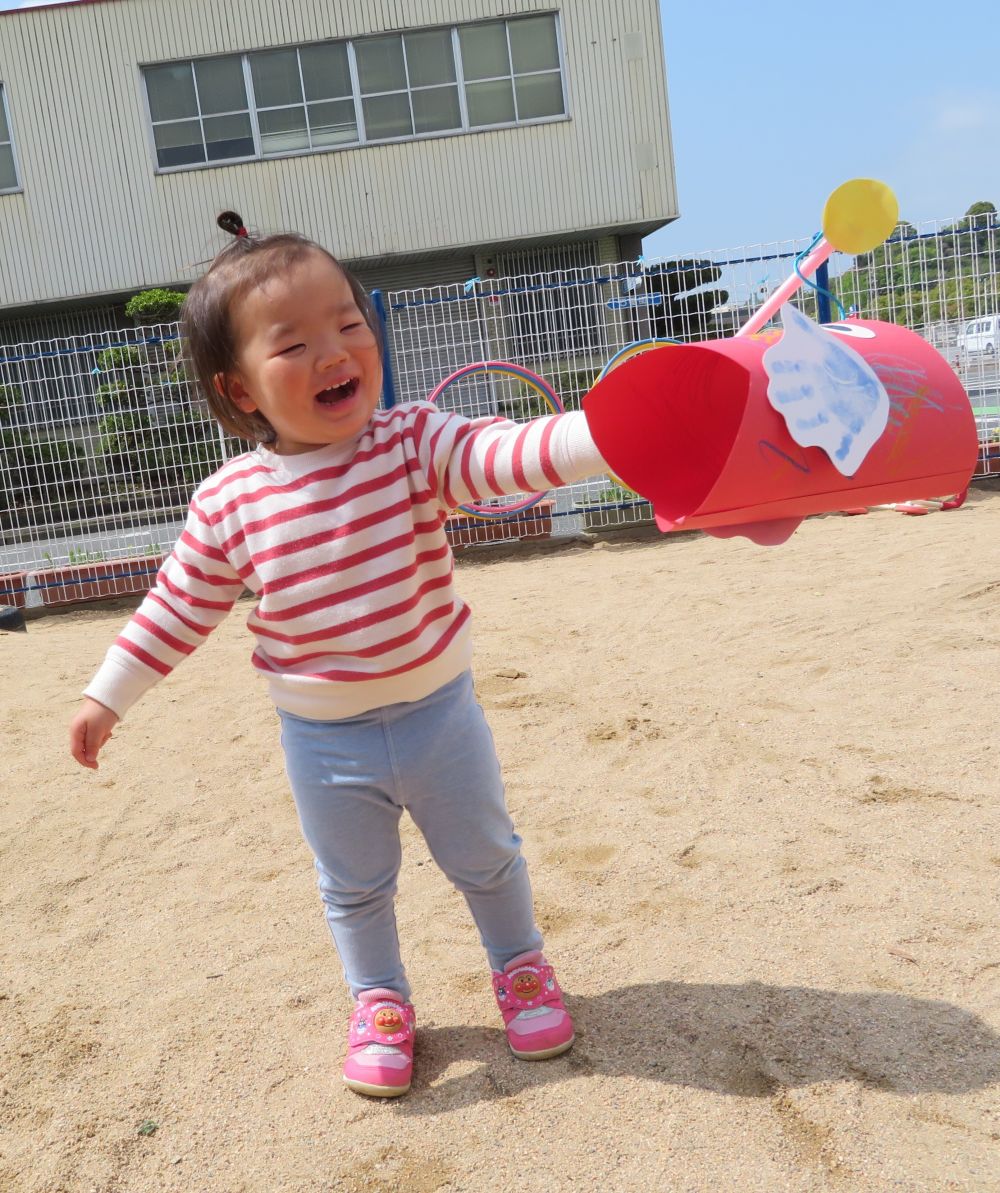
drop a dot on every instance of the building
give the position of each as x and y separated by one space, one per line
425 141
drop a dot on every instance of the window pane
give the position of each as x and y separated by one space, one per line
490 103
380 64
325 71
484 50
275 78
228 136
171 91
179 144
436 109
538 96
533 44
387 116
429 57
333 123
8 175
4 130
220 84
283 130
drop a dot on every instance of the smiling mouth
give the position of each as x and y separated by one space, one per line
337 393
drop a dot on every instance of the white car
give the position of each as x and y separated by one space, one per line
981 335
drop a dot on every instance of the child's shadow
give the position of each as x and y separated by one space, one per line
748 1040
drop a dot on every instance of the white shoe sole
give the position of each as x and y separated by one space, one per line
375 1091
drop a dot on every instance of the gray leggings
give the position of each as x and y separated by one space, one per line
351 780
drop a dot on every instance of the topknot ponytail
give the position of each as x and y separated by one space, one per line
232 222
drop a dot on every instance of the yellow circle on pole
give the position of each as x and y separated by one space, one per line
859 215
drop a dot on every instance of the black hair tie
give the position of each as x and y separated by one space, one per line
232 222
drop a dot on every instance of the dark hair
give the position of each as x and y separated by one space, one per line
206 316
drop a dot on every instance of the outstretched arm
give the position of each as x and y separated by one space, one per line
476 459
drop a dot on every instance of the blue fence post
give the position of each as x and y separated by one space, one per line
823 311
388 380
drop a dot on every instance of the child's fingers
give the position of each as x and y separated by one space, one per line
78 744
85 743
77 748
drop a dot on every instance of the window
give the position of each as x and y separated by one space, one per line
199 111
512 71
8 166
303 99
408 84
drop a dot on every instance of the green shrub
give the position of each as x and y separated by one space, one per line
617 494
114 396
11 400
35 474
114 359
155 306
171 452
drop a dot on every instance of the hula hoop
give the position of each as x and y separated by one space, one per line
630 350
476 509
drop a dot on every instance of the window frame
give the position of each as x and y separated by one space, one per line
514 75
18 186
363 140
201 117
256 108
409 89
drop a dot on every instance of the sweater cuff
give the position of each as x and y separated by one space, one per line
581 459
120 682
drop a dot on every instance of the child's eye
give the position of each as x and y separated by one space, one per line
352 326
290 348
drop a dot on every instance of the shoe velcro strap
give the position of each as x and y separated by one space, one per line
525 987
384 1022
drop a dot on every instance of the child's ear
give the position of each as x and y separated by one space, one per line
232 387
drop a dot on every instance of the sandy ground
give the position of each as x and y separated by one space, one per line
758 790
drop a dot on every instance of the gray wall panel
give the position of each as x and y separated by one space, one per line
96 218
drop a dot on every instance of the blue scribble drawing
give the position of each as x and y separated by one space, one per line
766 445
826 392
909 387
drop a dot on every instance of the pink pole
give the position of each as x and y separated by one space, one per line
787 288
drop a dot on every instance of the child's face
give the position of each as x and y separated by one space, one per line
307 360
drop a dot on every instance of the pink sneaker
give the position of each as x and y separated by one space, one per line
380 1034
528 995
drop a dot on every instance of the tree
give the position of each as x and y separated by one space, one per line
916 280
152 436
151 307
685 310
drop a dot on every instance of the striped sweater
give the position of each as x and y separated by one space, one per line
345 550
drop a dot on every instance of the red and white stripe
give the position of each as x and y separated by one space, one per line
344 548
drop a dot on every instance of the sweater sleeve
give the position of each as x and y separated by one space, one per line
194 590
477 459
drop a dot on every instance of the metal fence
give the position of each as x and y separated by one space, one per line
103 437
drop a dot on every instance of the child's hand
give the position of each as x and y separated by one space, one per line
89 730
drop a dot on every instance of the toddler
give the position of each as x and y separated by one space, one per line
335 522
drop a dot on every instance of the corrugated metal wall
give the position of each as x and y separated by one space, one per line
95 218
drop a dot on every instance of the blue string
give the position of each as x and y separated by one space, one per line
810 283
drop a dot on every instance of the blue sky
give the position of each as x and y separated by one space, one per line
774 105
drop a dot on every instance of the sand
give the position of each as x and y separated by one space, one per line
758 791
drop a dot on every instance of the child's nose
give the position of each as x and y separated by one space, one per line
333 351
